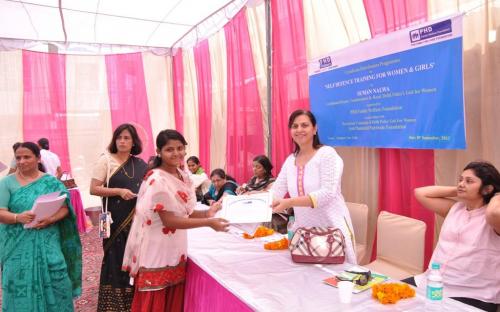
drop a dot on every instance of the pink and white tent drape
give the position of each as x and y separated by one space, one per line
215 93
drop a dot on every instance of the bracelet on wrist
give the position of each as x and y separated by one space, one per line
15 218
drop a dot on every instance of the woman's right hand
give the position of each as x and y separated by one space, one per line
25 217
219 224
127 194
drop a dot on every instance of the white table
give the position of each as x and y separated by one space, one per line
269 280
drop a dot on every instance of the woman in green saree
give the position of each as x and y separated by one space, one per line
42 266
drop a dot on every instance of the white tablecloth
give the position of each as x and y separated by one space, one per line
270 281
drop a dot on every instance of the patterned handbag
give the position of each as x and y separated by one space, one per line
318 245
68 180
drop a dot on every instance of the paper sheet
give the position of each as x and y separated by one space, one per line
254 208
45 206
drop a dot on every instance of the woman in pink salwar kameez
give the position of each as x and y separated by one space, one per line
156 251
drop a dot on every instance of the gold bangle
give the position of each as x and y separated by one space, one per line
15 218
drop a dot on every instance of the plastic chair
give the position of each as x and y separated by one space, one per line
359 217
400 246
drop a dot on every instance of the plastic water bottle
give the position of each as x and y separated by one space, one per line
289 227
434 288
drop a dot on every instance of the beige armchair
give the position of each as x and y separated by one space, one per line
359 217
400 246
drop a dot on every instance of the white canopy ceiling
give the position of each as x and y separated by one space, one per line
147 23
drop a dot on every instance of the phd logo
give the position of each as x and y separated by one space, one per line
430 31
414 35
325 62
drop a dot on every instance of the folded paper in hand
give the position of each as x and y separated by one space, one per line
2 166
45 206
252 208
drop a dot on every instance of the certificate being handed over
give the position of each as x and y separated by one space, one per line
252 208
45 206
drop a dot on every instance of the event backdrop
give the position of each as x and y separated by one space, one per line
215 93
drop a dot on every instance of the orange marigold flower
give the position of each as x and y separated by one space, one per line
389 293
277 245
261 231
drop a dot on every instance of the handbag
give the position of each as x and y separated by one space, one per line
105 219
318 245
68 181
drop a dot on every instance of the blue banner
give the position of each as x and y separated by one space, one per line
409 99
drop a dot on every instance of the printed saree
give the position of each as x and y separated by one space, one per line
41 269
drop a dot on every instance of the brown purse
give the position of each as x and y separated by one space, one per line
318 245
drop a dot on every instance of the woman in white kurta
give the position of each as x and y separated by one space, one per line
312 177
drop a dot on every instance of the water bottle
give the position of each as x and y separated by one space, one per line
434 293
289 227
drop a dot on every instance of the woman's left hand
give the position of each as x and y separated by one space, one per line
44 223
280 205
214 207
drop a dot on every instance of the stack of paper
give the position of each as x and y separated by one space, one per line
45 206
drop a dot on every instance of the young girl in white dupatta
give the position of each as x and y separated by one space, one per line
156 251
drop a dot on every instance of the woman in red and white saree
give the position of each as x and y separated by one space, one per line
156 251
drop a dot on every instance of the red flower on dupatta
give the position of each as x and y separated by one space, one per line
183 196
167 230
158 207
147 175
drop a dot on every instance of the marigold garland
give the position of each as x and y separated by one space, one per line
277 245
261 231
389 293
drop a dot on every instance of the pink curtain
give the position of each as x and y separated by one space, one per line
178 73
245 138
127 97
401 171
385 16
289 73
204 79
44 102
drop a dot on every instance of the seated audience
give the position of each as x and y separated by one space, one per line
469 243
263 178
222 184
198 176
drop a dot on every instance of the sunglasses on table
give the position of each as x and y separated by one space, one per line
360 278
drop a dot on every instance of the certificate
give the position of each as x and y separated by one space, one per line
254 208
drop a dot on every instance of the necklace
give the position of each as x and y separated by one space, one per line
27 178
133 170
